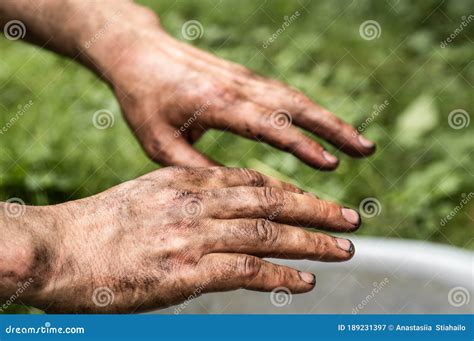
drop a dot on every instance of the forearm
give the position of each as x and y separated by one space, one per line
25 233
91 32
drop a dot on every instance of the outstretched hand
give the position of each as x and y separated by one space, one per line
179 232
171 93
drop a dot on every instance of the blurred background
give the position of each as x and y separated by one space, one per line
401 71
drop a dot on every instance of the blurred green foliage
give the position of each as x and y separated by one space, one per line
422 166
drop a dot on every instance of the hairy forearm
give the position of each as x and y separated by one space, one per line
91 32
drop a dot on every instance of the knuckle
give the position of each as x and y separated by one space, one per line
271 198
266 232
247 266
300 101
254 178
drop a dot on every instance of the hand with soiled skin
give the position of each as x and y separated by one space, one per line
169 235
171 93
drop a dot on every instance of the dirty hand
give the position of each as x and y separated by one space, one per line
171 235
171 93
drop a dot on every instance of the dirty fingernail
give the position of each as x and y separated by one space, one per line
308 277
351 216
345 245
366 143
329 157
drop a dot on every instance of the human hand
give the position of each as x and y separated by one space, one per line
171 93
152 242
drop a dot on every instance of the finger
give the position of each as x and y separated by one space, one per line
201 178
264 238
323 123
310 116
171 149
224 272
280 206
275 128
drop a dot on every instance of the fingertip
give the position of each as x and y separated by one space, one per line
353 217
308 278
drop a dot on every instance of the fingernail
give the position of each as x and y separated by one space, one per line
345 245
307 277
366 143
351 216
329 157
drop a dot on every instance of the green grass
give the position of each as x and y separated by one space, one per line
422 166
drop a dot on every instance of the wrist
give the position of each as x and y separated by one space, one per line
29 239
113 34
